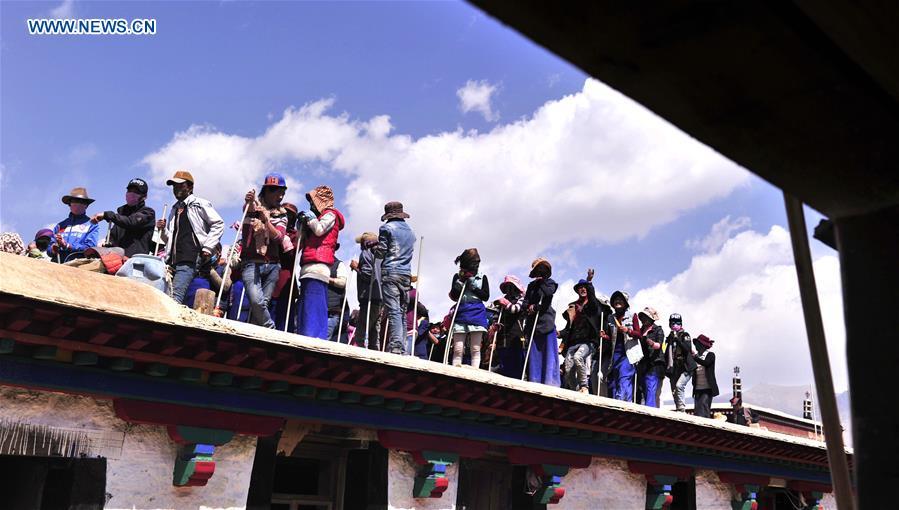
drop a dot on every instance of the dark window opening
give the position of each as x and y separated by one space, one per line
684 494
53 483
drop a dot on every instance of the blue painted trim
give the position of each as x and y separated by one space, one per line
93 381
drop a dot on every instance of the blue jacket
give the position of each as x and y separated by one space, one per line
78 232
396 242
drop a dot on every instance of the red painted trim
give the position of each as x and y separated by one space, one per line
743 479
521 455
653 469
801 486
157 413
413 441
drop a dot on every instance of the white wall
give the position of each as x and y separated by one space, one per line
401 470
141 476
711 493
606 483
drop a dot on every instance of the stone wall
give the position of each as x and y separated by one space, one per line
711 493
401 470
140 476
829 502
606 483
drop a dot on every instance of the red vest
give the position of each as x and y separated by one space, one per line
321 249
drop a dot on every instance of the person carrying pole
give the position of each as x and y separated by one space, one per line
76 233
368 291
470 289
131 225
191 232
542 355
510 328
679 360
396 244
337 295
262 233
320 231
651 368
282 294
617 330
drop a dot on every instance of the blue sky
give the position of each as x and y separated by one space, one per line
98 110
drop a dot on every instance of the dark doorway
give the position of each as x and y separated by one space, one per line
53 483
684 495
483 485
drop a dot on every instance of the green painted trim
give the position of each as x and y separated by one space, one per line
251 383
304 391
85 359
373 400
7 345
326 394
277 386
221 379
201 435
157 370
122 364
413 406
190 374
350 397
45 352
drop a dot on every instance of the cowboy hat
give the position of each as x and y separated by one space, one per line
77 194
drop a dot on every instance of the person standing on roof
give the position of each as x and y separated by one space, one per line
262 235
543 360
368 291
618 332
318 248
705 386
191 233
131 225
396 244
679 358
651 368
510 336
282 293
581 335
76 233
471 314
340 275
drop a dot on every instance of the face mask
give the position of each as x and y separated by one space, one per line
132 198
677 327
77 209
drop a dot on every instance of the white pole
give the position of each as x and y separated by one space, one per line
243 290
811 309
386 330
293 272
159 236
417 290
499 321
227 271
108 231
371 282
527 353
342 308
449 333
602 325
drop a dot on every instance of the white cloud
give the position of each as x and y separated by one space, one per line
64 10
720 233
745 295
592 167
476 96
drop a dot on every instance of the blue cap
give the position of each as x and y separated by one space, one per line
582 282
276 180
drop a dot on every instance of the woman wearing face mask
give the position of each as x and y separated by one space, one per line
76 233
131 224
